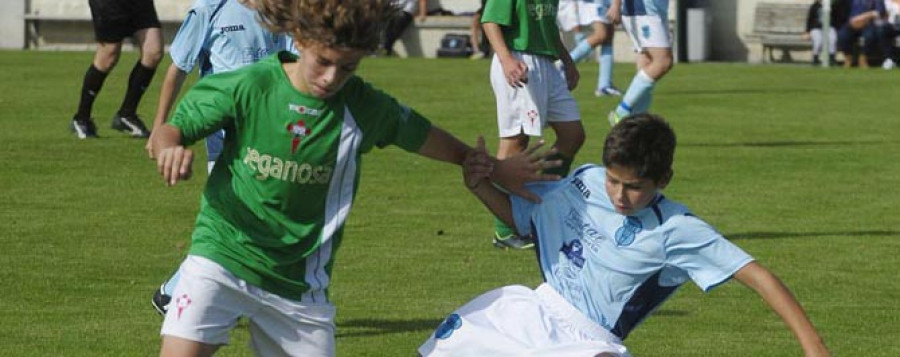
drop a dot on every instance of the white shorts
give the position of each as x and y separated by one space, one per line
208 300
545 98
573 13
518 321
647 31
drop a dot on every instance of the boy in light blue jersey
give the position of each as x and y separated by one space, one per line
219 36
611 249
647 24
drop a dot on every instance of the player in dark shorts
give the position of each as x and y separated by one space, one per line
114 20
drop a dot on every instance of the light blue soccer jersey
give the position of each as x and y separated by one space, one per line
223 35
646 8
617 269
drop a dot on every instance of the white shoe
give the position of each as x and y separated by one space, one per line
888 64
607 91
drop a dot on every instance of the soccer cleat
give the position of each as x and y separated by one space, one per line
614 118
130 125
83 128
888 64
607 92
513 241
161 300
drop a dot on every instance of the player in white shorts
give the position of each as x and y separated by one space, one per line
647 24
573 15
530 91
611 249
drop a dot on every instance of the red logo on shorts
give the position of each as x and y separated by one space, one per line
181 303
298 130
532 114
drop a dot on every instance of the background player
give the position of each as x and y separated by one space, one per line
530 91
220 36
575 14
114 20
611 249
647 24
272 213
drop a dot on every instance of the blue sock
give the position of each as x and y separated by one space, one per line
640 88
606 66
643 104
578 36
580 51
169 285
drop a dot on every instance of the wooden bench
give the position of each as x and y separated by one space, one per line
780 26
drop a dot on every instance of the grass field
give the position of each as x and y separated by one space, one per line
799 166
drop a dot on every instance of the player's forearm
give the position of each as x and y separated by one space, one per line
495 38
495 200
442 146
782 301
171 86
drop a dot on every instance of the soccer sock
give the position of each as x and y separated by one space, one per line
606 66
580 51
138 82
93 81
640 86
643 104
579 36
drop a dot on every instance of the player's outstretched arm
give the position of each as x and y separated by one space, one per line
780 299
171 86
477 169
173 160
511 173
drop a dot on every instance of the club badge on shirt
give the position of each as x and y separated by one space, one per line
298 131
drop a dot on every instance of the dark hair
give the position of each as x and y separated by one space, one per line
643 142
357 24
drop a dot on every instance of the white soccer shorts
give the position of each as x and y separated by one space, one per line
647 31
573 13
545 98
208 300
518 321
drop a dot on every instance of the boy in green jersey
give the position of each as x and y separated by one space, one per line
531 92
273 210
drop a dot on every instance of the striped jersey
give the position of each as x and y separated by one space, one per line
274 206
223 35
646 8
618 269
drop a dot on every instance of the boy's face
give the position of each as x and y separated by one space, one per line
628 192
324 70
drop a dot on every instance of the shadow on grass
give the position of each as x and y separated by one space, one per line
775 235
370 327
789 143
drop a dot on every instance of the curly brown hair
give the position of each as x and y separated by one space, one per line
355 24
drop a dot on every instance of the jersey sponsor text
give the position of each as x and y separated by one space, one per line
266 166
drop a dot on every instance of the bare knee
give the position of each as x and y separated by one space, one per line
570 137
107 56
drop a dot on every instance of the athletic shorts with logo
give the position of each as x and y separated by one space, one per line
518 321
574 13
114 20
545 98
208 301
647 23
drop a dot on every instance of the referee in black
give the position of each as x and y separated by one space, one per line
114 20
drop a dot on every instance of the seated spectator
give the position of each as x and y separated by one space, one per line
862 23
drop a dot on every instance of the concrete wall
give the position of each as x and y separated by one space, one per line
12 24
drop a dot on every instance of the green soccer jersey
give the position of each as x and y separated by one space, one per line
274 207
528 25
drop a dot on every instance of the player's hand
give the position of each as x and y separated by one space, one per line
515 71
477 166
514 172
149 145
614 14
174 164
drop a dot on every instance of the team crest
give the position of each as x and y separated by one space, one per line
298 131
645 30
629 229
574 251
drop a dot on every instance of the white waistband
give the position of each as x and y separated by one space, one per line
564 310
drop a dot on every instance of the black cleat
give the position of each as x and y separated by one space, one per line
83 128
131 125
161 300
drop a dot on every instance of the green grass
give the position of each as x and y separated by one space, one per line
798 165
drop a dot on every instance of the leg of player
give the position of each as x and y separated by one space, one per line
504 236
163 296
105 60
126 119
605 63
653 64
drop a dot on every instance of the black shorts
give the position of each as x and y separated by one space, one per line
114 20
